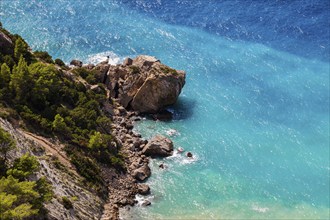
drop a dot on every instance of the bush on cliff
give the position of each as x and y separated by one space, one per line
19 197
52 103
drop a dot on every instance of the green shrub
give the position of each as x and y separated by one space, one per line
23 167
9 61
87 168
67 202
44 56
134 69
59 62
166 69
6 144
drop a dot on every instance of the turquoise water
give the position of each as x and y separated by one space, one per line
254 110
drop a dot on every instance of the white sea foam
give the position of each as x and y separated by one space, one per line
172 132
182 159
101 57
260 209
140 199
165 33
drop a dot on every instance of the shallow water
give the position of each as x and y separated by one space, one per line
254 110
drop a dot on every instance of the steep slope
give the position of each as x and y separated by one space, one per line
58 170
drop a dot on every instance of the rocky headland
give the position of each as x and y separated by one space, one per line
142 85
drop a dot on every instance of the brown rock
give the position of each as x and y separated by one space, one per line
146 203
163 115
128 61
159 146
142 173
77 63
143 189
145 86
145 61
6 45
160 88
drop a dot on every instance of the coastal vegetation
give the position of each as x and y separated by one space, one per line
38 90
20 197
79 119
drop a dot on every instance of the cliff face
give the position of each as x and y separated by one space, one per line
56 167
6 44
143 84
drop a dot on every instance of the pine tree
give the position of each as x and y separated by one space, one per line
21 81
4 76
16 198
60 126
4 81
21 49
6 144
23 167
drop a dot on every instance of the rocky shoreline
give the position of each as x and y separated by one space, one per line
124 186
142 85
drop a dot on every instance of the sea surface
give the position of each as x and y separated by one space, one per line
255 108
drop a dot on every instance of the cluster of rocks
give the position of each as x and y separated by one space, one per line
142 84
123 188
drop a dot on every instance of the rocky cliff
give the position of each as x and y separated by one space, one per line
142 84
59 172
90 114
6 44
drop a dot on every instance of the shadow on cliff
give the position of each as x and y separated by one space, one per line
183 108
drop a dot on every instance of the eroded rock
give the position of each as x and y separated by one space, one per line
6 44
77 63
143 189
142 173
144 84
158 146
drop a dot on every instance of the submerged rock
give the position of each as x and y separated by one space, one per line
146 203
158 146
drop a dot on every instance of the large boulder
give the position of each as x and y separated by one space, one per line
142 173
145 85
158 146
143 189
77 63
6 44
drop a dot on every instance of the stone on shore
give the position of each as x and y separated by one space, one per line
146 203
142 173
143 189
158 146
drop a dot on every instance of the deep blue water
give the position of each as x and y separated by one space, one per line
254 110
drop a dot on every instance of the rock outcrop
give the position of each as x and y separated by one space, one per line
142 173
144 84
77 63
158 146
143 189
6 44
